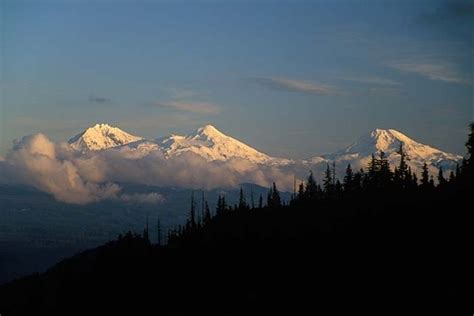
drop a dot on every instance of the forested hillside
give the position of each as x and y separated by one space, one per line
379 241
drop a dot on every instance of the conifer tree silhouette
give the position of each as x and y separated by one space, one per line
311 187
158 232
328 182
348 182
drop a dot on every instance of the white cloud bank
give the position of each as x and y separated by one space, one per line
73 177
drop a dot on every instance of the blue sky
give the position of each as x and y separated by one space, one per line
291 78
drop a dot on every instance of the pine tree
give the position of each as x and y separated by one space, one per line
338 189
251 198
221 206
219 210
158 232
441 179
385 174
260 201
207 214
414 181
348 182
146 237
466 178
401 172
452 177
425 176
269 197
242 202
311 187
273 198
357 182
371 176
192 213
327 182
432 183
470 145
276 196
301 192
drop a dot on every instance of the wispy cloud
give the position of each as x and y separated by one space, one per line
372 80
97 99
432 69
195 107
286 84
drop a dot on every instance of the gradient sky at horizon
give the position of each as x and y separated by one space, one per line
291 78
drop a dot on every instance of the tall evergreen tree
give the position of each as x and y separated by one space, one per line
251 198
371 176
145 231
470 145
273 199
328 185
452 177
432 183
358 180
385 174
402 174
192 213
219 210
242 202
425 177
441 179
467 169
311 187
348 182
301 191
269 197
207 214
338 188
158 232
276 196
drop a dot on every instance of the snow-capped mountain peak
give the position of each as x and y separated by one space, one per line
378 140
209 131
388 141
212 144
101 136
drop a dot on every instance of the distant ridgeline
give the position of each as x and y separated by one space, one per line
377 242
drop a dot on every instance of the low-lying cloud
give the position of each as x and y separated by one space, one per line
37 161
81 178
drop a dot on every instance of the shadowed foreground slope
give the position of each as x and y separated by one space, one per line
380 257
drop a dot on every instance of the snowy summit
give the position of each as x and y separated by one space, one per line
210 143
101 136
389 141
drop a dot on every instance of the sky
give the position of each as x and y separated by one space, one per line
291 78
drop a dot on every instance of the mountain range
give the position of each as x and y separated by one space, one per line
213 145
